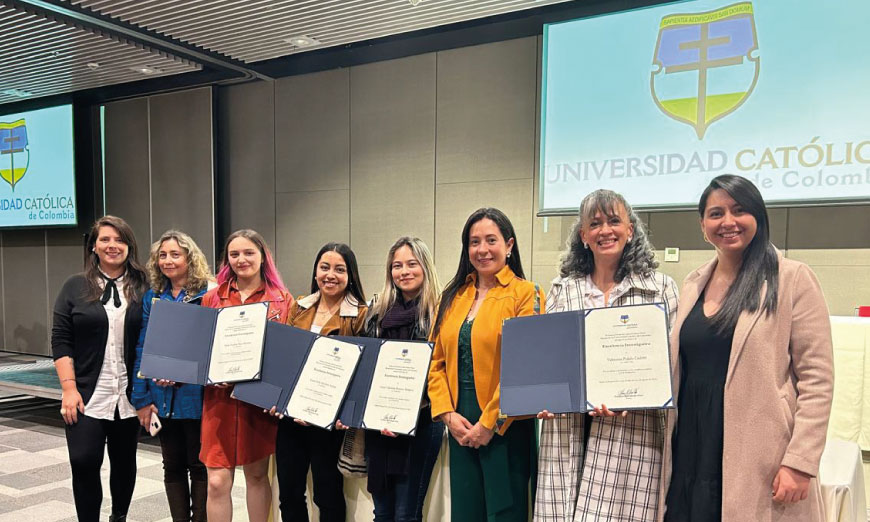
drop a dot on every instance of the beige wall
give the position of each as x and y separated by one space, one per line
363 155
412 146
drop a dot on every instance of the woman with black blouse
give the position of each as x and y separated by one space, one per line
97 318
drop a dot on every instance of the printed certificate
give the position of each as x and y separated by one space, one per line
237 347
397 386
323 381
626 357
578 360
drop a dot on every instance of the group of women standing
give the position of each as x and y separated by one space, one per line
750 347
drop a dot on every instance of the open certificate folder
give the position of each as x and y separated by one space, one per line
200 345
576 361
305 375
388 387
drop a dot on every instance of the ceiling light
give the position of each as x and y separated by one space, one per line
302 41
93 66
144 69
18 93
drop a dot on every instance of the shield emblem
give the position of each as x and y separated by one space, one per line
14 154
705 64
623 319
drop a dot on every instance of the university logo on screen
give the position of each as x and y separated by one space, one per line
14 153
705 64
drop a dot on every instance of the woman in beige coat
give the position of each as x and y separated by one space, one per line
753 365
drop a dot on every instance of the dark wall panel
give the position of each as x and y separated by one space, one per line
182 187
312 132
246 148
127 174
64 257
25 292
486 112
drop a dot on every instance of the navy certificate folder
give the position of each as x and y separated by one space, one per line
354 407
541 364
283 359
544 362
285 355
178 342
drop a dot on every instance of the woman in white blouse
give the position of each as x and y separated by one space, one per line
97 317
605 466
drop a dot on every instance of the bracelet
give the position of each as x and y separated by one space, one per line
73 379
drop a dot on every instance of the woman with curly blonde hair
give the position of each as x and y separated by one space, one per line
177 271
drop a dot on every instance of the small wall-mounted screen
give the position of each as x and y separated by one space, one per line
37 168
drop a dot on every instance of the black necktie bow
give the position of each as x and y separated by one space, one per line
111 291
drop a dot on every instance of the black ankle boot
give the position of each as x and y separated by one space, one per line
117 518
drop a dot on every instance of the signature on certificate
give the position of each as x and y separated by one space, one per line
628 393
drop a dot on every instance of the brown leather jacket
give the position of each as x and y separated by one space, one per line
349 321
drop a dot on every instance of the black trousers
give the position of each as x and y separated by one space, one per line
298 447
86 441
179 443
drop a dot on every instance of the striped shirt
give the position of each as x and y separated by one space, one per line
615 479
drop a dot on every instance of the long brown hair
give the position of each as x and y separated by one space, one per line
134 279
465 267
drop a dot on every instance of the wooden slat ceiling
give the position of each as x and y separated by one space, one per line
43 57
64 46
256 30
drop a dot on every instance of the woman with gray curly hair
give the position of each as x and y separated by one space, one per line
605 466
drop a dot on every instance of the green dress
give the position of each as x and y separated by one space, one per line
491 483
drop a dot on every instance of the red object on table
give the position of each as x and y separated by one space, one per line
864 311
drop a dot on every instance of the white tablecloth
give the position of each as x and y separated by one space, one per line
841 477
850 411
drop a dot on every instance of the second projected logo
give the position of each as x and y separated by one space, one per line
705 64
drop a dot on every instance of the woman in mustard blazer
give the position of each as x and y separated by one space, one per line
490 465
753 369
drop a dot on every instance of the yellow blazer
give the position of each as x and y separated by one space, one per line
511 297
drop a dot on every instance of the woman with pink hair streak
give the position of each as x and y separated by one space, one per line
235 433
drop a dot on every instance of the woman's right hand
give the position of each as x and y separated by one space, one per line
71 404
545 415
144 415
163 382
457 425
604 412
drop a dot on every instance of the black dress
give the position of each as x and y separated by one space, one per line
695 493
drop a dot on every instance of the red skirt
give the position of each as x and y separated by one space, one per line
234 433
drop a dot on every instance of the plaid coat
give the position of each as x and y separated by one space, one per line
617 478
